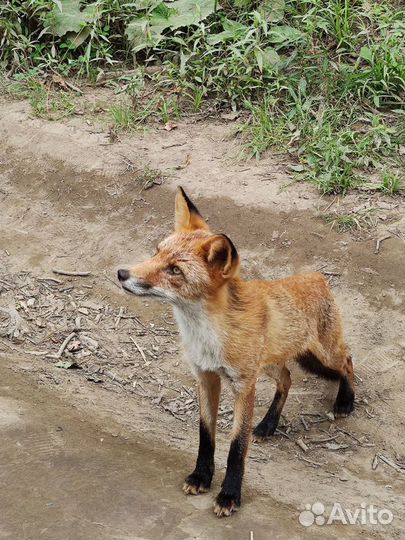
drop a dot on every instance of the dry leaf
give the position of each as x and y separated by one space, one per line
170 125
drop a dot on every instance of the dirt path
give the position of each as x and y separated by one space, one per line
70 200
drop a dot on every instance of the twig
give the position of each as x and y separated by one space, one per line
62 347
329 205
139 349
69 273
320 441
304 423
34 353
120 314
349 434
172 145
283 433
387 461
310 461
58 281
112 281
174 414
379 241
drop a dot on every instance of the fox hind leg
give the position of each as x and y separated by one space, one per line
335 366
344 403
269 423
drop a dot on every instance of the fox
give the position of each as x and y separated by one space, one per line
233 330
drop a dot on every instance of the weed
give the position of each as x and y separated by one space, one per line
45 102
150 176
123 116
392 182
363 219
168 109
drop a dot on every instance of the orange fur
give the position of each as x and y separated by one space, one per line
235 329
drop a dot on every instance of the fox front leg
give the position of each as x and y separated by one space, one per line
229 498
199 481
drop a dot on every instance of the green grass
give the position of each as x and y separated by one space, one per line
123 117
392 182
323 80
46 103
360 220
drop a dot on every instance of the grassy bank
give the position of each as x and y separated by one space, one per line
321 79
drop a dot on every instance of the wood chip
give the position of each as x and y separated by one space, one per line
70 273
302 445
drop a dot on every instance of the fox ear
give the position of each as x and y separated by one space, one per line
222 254
186 216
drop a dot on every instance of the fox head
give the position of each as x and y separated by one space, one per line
189 265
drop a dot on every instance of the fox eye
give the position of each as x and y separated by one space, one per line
174 270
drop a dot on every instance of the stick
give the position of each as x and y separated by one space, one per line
120 314
139 349
390 463
378 242
304 423
312 462
320 441
69 273
112 281
62 347
54 280
34 353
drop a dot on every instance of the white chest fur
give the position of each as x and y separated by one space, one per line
201 341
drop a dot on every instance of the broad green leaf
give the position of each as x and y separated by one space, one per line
140 34
270 57
272 10
259 59
232 30
366 54
183 13
66 16
78 38
285 35
147 31
214 39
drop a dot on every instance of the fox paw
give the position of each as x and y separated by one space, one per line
196 483
225 504
262 432
343 408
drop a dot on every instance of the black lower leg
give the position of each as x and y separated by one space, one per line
200 479
344 403
230 495
269 424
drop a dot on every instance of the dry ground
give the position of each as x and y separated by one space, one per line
72 200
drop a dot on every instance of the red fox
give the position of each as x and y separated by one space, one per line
233 329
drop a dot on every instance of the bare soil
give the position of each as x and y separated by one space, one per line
72 200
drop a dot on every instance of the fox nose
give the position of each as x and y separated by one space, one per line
123 275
